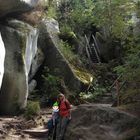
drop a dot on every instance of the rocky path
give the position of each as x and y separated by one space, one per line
18 128
89 122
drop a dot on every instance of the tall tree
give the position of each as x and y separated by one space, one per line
114 16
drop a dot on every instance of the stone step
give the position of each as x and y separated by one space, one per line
36 132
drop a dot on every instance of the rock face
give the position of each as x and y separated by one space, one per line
16 6
32 85
24 55
20 41
31 47
55 60
100 122
2 57
36 62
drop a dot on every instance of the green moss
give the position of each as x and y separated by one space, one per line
67 35
82 75
20 26
75 63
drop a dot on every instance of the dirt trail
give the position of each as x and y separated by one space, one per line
17 127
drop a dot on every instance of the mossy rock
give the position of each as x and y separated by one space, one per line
83 75
69 37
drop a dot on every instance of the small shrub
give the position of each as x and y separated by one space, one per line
51 12
32 109
50 85
93 93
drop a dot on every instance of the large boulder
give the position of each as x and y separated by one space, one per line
55 60
20 41
101 122
2 58
16 6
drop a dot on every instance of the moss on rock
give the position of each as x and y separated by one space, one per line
82 74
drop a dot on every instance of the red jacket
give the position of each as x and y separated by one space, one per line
64 108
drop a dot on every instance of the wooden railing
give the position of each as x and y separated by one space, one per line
118 86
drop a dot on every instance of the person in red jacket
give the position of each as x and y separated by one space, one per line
64 116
